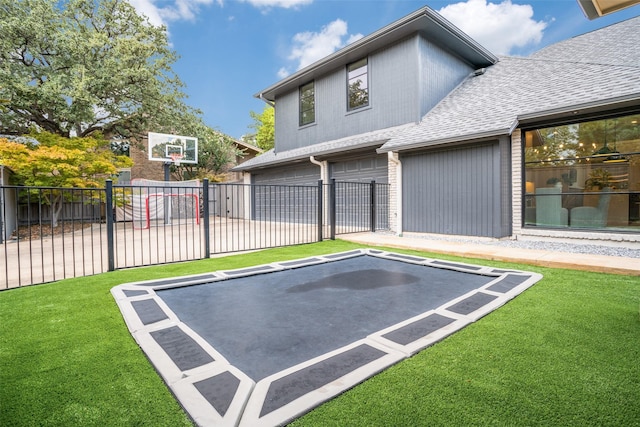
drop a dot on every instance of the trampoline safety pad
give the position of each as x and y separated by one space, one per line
261 346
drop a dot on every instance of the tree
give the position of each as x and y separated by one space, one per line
56 161
216 152
264 126
76 67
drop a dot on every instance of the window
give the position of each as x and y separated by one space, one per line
584 175
357 85
307 104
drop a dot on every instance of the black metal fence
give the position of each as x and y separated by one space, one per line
49 234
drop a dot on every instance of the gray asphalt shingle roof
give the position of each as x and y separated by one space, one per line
598 67
616 44
489 105
370 139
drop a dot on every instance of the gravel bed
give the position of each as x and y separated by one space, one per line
617 249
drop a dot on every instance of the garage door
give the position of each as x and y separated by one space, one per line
286 194
457 191
353 193
364 169
307 174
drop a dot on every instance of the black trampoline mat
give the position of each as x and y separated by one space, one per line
262 345
269 322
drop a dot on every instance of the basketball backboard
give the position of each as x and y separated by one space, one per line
162 147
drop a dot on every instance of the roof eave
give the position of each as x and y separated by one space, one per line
585 109
496 133
321 154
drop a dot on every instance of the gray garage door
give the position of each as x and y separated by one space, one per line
286 194
364 169
457 191
353 195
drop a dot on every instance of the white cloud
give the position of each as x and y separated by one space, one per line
309 47
285 4
162 12
498 27
283 72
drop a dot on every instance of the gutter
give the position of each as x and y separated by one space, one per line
268 102
453 139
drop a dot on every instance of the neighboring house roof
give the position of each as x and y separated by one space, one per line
425 21
562 80
250 148
353 143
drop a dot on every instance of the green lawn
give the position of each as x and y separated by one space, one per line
565 352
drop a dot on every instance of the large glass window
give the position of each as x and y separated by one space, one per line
307 104
584 175
358 84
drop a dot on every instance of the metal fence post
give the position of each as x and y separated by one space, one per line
332 207
372 200
205 217
320 210
109 214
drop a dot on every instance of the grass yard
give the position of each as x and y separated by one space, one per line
565 352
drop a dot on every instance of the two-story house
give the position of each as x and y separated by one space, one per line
470 143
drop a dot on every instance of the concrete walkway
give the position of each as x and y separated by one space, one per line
485 250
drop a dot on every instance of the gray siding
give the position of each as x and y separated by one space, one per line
393 100
405 81
456 191
440 72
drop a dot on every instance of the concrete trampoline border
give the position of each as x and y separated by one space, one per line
202 380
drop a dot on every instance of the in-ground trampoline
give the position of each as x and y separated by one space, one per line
263 345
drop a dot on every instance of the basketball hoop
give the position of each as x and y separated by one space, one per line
176 158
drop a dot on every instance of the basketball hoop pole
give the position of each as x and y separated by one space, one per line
167 177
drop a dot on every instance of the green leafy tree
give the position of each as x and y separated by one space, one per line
264 127
216 150
76 67
57 161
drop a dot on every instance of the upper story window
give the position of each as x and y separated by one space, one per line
307 104
357 84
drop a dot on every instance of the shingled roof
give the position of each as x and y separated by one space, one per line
595 69
617 44
357 142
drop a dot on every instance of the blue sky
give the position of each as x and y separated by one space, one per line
231 49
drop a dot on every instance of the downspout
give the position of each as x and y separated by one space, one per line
324 177
394 158
324 168
273 105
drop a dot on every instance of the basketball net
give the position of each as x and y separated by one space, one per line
176 158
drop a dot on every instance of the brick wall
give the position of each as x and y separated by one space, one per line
516 178
393 196
142 166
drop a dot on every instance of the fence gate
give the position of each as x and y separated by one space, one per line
358 206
